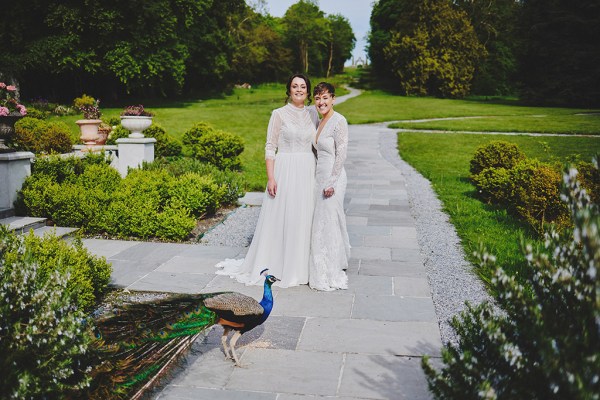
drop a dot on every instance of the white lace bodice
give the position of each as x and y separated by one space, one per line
291 130
332 147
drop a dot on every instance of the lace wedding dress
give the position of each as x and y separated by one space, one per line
281 240
330 247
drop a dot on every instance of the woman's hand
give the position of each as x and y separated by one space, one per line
272 187
328 192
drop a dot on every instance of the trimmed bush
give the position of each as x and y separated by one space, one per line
39 136
536 194
232 182
199 194
165 145
83 101
37 114
43 337
219 148
589 176
545 346
496 154
495 185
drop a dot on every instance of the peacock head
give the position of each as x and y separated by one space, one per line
269 279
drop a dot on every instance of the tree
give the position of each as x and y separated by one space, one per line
495 23
432 49
340 44
260 53
62 49
303 22
560 58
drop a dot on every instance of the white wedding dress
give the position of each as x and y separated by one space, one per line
330 246
281 240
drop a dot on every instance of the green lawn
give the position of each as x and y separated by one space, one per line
505 116
444 160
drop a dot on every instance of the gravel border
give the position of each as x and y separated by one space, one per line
450 275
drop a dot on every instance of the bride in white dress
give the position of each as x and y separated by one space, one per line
281 240
330 247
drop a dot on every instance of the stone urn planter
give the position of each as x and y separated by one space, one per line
7 130
136 124
89 130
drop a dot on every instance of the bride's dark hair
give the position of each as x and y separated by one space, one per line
288 87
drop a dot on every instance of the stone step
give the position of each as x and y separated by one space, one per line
25 224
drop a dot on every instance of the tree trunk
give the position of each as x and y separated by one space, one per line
330 59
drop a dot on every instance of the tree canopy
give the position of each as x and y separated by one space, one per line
113 49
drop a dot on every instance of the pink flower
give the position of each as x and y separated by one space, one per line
22 109
11 88
3 111
2 85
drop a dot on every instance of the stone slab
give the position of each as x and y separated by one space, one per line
171 282
107 248
392 268
285 371
394 308
384 377
364 336
411 287
303 302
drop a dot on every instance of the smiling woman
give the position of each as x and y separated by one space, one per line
281 241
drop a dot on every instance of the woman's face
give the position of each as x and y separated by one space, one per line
324 102
298 91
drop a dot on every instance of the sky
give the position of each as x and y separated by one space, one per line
358 13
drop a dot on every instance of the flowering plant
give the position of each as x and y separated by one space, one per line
8 101
91 111
136 111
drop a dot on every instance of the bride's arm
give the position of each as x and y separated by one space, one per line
270 151
340 137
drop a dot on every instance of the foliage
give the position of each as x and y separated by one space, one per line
496 154
559 58
496 28
39 136
589 176
137 111
231 182
545 344
219 148
434 52
83 101
9 103
303 24
536 194
38 114
340 43
199 194
43 337
166 145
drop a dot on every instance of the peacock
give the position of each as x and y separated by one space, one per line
136 343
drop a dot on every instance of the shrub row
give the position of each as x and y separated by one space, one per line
526 187
150 202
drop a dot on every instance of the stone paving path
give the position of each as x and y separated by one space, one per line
362 343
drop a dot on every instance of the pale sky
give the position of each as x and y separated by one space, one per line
358 13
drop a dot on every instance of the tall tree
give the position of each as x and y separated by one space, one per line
303 22
495 23
432 48
341 41
560 61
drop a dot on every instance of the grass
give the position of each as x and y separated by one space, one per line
444 160
500 115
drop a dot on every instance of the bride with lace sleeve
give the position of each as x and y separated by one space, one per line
330 246
281 241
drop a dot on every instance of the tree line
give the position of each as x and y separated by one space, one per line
546 51
114 49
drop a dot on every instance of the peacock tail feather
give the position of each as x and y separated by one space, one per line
136 343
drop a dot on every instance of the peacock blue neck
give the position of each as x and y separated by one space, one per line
267 301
